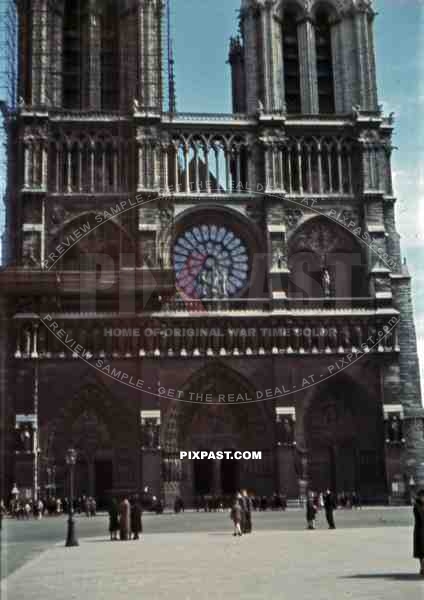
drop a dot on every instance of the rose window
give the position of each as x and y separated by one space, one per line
210 261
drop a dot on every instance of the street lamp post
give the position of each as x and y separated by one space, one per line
71 459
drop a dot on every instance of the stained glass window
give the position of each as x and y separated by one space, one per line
210 261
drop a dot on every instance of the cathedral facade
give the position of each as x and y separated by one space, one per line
205 282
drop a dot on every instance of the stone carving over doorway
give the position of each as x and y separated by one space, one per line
215 427
344 432
99 428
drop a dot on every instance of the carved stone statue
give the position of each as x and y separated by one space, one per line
279 260
224 284
326 283
30 252
149 253
395 429
26 439
150 434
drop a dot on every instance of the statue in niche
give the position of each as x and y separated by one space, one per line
151 434
216 283
395 429
326 283
26 439
224 284
30 251
149 253
279 259
285 430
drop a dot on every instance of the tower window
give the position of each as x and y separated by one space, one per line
110 80
291 64
325 73
75 16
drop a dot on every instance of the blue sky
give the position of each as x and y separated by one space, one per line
201 30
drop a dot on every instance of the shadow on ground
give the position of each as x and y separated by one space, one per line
390 576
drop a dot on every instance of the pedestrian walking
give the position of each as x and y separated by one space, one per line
311 511
2 512
419 530
113 520
124 519
136 526
93 507
329 506
236 516
247 513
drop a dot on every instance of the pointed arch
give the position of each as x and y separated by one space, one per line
344 435
111 239
324 14
320 244
252 421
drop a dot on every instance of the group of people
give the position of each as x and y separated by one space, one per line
212 503
241 514
323 501
125 519
25 508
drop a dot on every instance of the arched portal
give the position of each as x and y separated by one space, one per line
105 436
345 440
229 426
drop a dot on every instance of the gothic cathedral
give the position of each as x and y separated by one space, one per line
204 282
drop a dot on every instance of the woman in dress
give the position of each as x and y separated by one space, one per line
124 519
419 530
113 520
236 515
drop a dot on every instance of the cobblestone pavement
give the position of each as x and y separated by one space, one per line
366 563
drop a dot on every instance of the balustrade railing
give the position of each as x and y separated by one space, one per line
246 335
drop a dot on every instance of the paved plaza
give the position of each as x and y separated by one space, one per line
196 557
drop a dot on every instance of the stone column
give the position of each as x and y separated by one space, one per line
94 71
367 87
266 56
277 65
252 55
216 481
40 55
308 67
150 34
56 41
6 407
410 391
339 68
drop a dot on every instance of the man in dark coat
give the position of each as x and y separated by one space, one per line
246 504
113 520
311 511
329 506
419 529
136 527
